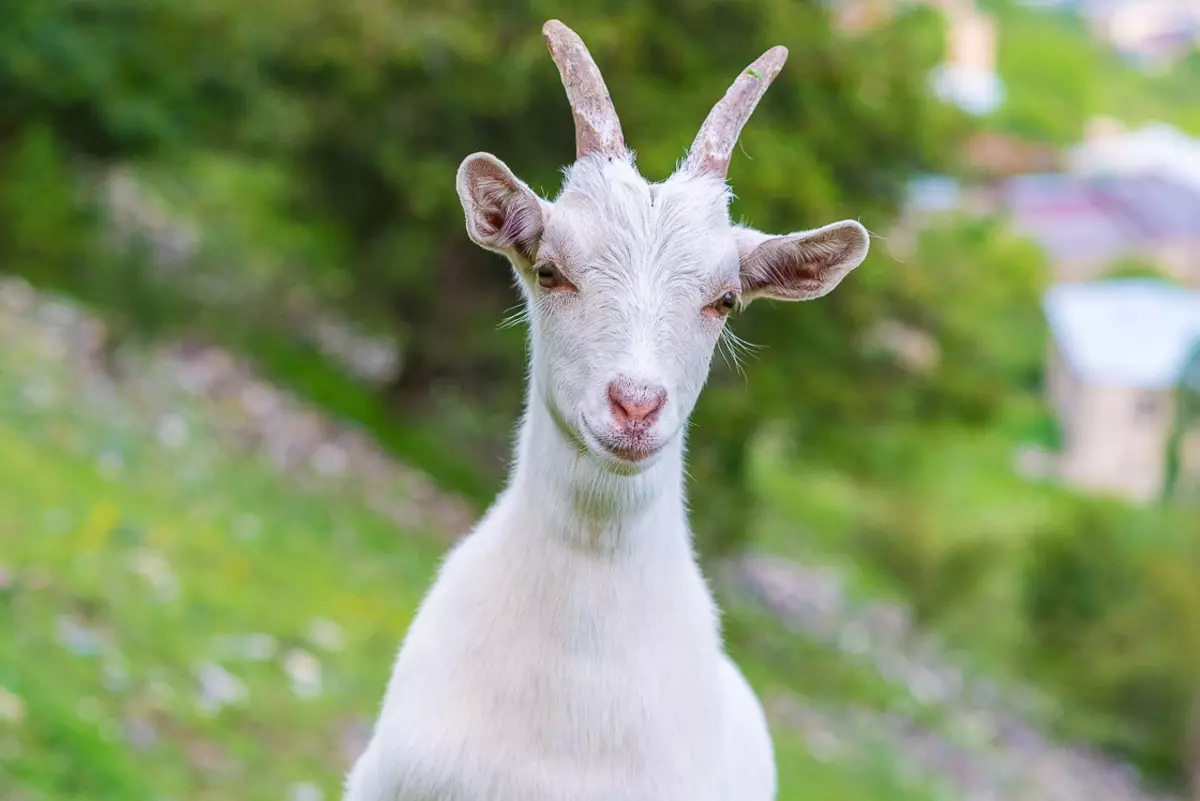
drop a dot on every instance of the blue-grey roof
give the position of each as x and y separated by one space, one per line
1100 218
1155 206
975 91
1132 332
928 193
1046 189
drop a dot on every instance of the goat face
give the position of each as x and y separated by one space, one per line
628 283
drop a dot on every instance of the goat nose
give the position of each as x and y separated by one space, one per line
631 403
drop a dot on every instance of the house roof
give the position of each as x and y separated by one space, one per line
976 91
1046 189
1156 147
1154 205
1101 216
1132 332
1086 234
928 193
1064 215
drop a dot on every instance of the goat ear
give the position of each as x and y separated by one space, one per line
503 214
800 266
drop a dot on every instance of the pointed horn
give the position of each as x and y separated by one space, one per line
714 143
597 128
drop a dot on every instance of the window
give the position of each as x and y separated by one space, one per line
1146 406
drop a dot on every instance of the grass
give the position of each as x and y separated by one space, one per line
143 570
875 777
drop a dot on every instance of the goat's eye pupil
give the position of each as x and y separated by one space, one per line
726 303
547 276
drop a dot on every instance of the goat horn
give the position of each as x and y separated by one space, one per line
711 151
597 128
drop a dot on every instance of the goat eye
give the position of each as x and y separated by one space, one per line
726 303
548 276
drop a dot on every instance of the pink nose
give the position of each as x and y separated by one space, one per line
634 403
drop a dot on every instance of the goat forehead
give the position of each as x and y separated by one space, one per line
623 226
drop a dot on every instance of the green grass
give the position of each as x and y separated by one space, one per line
248 554
875 776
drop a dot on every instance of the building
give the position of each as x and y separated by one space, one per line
1109 148
854 16
1151 34
995 155
1086 223
1119 354
967 77
930 195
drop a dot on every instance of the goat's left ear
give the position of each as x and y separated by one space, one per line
800 266
503 214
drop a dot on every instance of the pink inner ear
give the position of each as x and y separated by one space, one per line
506 215
797 267
490 199
785 268
523 225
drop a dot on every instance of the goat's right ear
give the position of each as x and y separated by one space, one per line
503 214
800 266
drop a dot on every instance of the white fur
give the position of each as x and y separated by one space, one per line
569 649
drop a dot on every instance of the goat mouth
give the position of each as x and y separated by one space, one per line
632 454
622 450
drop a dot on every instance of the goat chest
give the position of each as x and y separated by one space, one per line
571 680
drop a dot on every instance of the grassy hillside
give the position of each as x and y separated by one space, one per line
179 621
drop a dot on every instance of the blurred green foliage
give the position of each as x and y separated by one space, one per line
1058 75
1112 603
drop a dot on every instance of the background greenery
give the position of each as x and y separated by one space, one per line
294 161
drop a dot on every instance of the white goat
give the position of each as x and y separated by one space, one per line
570 648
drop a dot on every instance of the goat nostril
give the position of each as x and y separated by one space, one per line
635 405
615 406
646 411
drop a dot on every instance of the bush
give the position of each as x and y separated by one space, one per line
1112 603
933 575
